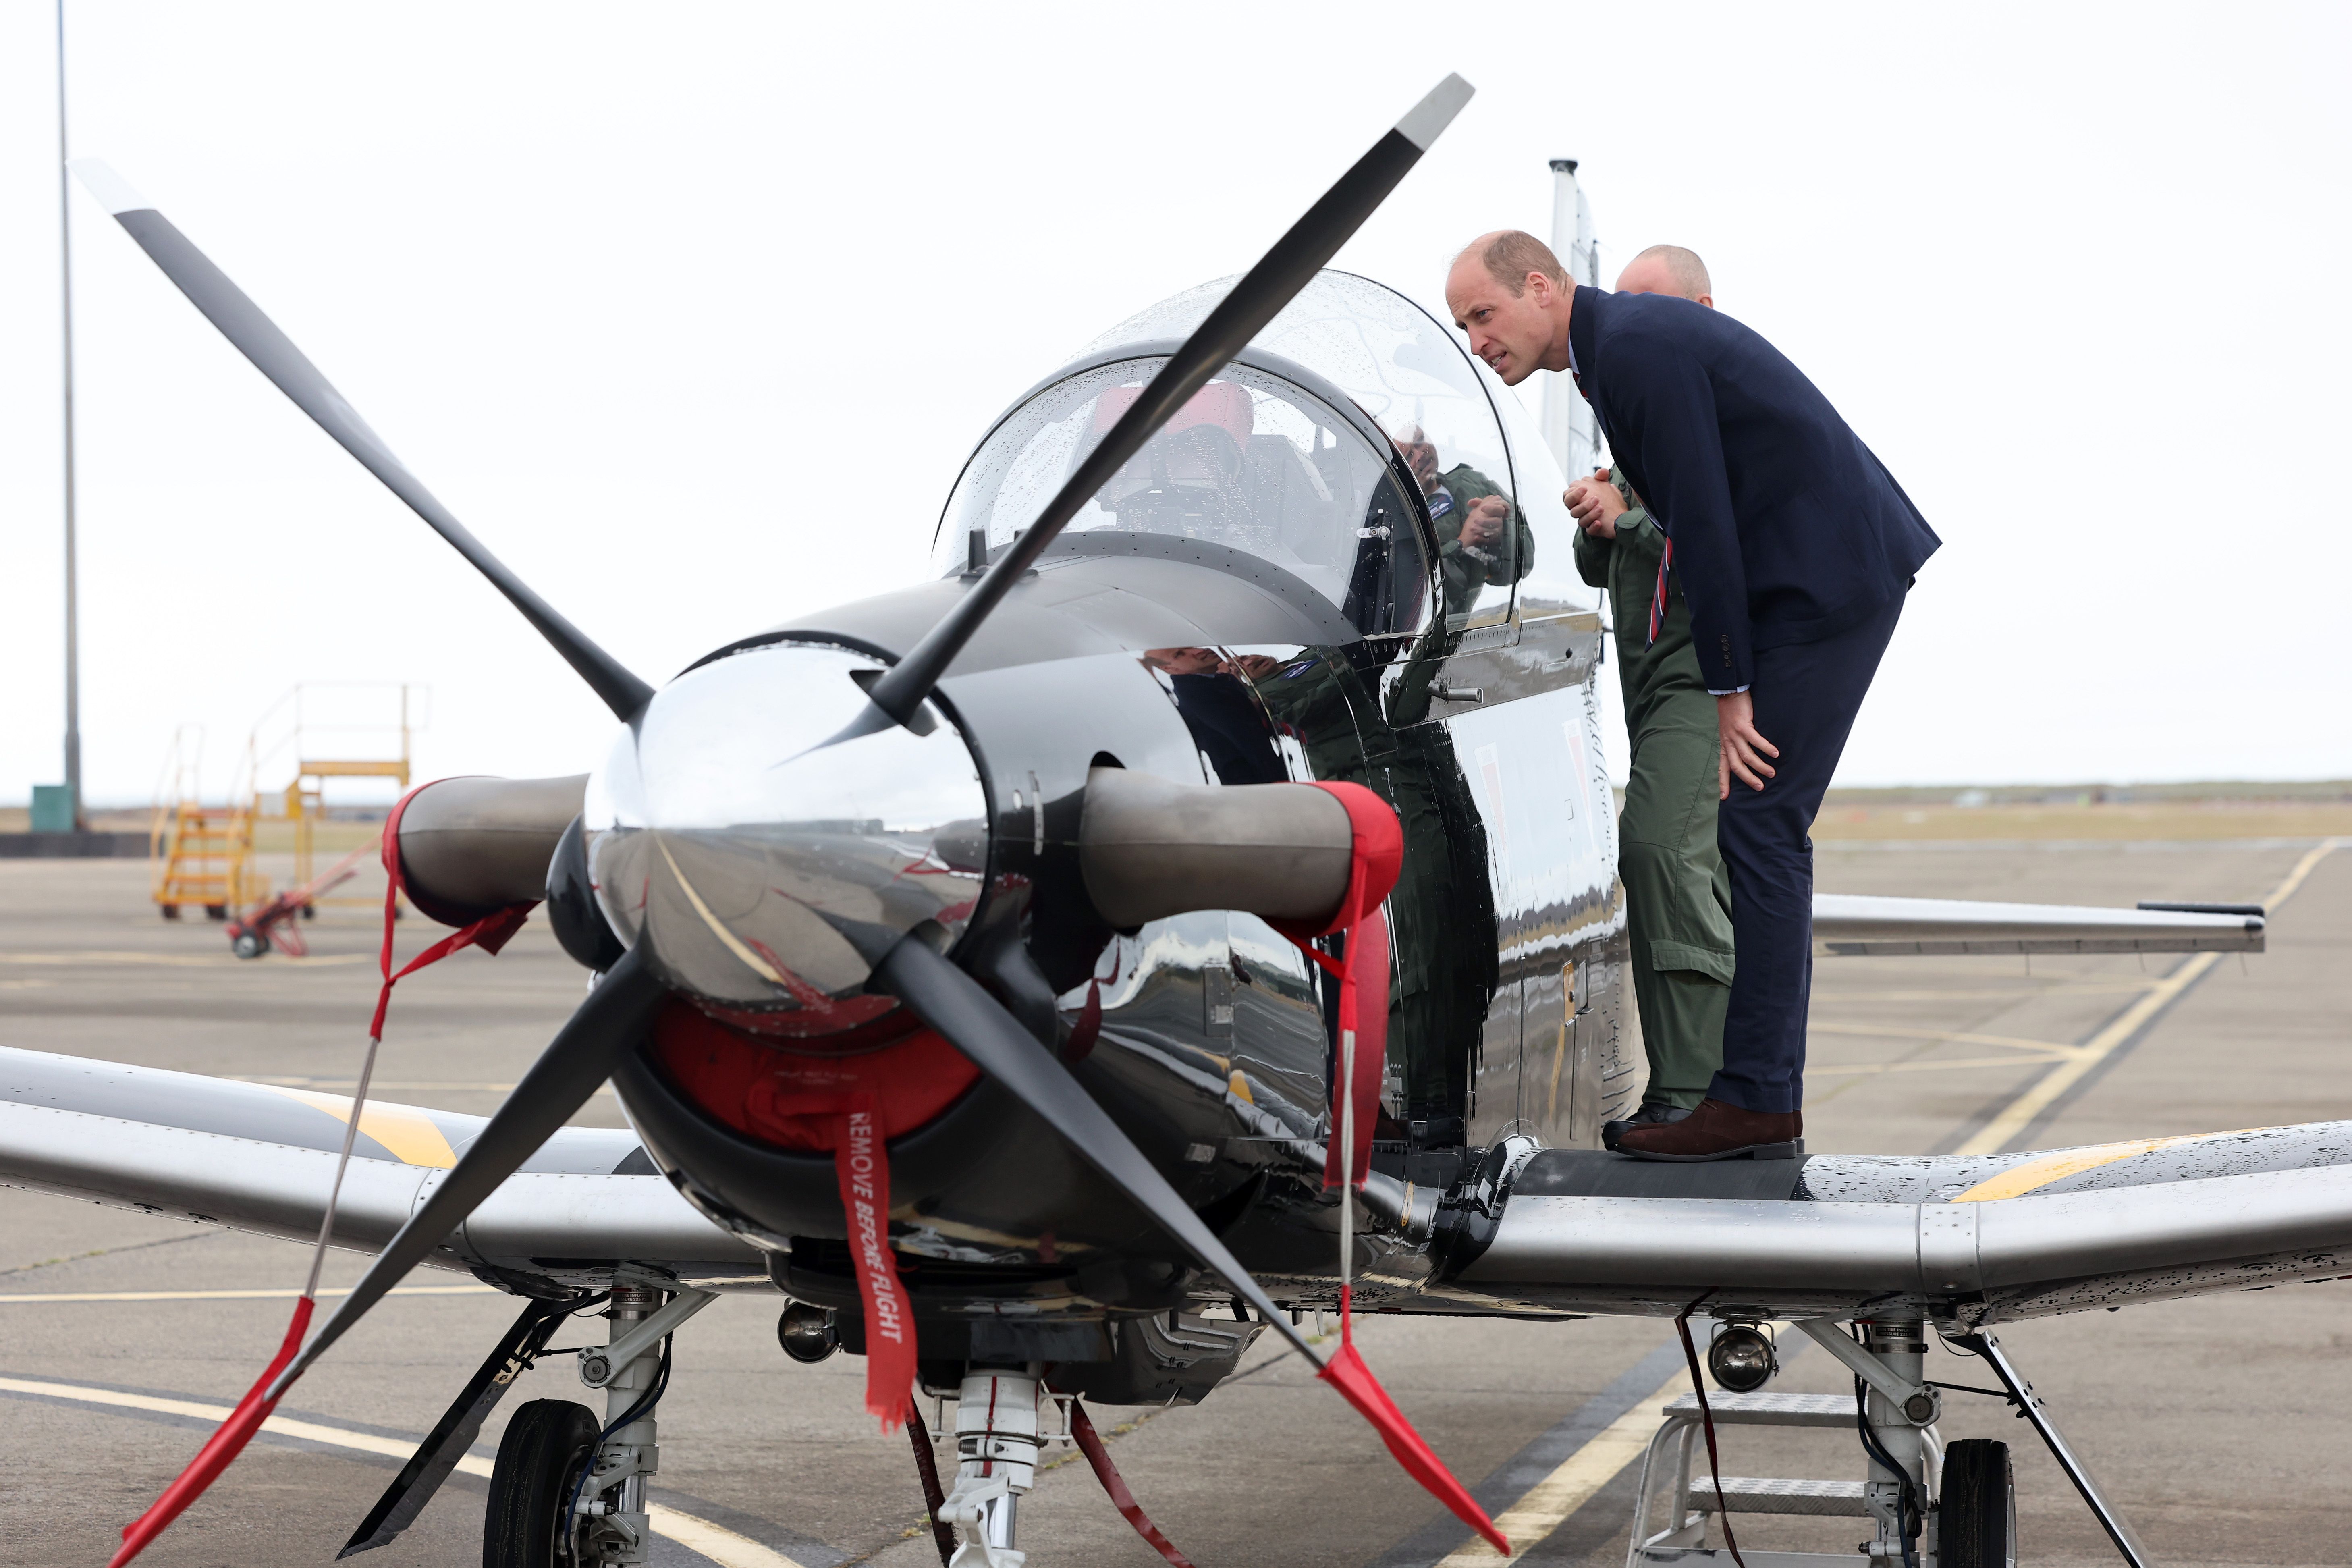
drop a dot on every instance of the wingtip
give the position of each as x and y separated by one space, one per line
113 191
1427 120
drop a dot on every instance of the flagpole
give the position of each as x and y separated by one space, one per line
73 627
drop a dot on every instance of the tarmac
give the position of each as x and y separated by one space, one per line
2217 1424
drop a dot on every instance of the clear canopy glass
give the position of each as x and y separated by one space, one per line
1252 462
1265 467
1419 384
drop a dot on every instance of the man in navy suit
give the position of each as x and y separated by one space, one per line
1794 548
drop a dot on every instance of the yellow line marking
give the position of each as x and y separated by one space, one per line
2018 1114
717 1542
751 960
407 1132
1546 1506
2018 1180
240 1295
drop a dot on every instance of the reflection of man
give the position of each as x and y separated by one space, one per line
1440 912
1677 894
1796 548
1222 714
1473 521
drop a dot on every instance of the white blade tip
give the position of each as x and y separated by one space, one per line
113 191
1427 120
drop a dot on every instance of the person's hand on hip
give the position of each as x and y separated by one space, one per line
1742 750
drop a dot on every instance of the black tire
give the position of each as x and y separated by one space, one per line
248 944
1977 1522
539 1459
171 911
215 912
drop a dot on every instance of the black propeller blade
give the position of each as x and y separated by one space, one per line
258 338
969 1018
575 1063
1256 300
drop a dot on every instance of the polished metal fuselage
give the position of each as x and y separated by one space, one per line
1206 1035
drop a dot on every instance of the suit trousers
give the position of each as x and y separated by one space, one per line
1806 696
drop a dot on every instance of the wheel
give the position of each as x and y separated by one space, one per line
309 912
215 912
1978 1523
248 944
539 1460
171 911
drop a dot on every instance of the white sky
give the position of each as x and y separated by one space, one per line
692 313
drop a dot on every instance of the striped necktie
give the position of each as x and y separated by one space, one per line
1658 594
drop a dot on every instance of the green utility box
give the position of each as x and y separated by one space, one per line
53 809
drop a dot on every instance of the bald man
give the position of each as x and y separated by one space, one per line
1793 548
1677 894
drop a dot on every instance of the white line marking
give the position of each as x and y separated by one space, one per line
237 1295
716 1541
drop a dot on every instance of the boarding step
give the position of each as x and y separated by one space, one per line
1769 1409
1776 1494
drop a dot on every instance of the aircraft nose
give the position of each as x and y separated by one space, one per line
765 872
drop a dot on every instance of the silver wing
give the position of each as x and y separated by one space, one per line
1975 1239
259 1157
1849 925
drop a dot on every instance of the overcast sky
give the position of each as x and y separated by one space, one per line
692 313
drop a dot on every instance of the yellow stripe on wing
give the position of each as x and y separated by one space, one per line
2018 1180
411 1135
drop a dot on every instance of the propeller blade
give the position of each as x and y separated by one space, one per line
976 1024
257 337
1256 300
575 1063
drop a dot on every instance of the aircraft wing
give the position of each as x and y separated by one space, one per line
1982 1239
259 1157
1848 925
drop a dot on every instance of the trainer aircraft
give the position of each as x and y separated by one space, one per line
1191 908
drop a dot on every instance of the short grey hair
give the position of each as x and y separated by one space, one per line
1684 267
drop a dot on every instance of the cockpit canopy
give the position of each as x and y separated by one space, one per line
1350 439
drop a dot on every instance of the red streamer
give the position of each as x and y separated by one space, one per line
489 933
1346 1373
1090 1444
221 1447
863 1166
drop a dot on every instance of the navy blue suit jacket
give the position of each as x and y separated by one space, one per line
1786 529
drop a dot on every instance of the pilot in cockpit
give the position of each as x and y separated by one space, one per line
1475 520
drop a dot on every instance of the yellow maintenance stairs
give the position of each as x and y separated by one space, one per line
203 856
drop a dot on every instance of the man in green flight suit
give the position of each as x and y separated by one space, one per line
1677 893
1482 539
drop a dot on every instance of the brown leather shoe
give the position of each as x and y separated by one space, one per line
1717 1131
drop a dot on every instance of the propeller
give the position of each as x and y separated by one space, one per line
1240 315
618 1011
257 337
954 1004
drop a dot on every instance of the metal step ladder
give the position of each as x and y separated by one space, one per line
1673 1477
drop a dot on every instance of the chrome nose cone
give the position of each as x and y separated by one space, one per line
764 871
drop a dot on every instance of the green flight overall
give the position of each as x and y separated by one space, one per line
1677 894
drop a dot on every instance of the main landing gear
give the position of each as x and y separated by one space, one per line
1930 1506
